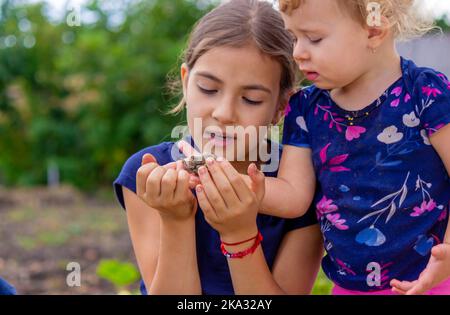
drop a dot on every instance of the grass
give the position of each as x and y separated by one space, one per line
323 285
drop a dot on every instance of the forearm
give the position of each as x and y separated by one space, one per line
251 275
282 199
177 268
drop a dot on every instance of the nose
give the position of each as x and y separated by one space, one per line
301 52
224 110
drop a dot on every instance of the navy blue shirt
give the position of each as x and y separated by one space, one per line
6 288
213 267
384 192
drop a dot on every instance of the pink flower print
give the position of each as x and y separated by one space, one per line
345 267
407 98
287 109
325 206
427 90
334 163
336 220
395 102
425 206
323 153
397 91
354 132
443 215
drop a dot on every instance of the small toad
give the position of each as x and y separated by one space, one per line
193 163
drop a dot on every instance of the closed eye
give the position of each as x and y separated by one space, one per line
206 91
251 102
315 41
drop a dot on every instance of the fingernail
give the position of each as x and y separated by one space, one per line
202 170
210 161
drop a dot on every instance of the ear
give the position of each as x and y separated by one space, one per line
376 35
184 72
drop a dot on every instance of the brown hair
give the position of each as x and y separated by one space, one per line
402 15
237 23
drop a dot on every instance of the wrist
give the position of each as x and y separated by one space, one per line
238 251
174 222
244 237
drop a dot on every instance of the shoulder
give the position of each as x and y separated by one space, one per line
424 81
301 103
305 95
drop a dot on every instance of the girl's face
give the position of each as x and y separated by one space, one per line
331 48
227 88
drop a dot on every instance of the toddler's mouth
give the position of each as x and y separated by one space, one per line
311 75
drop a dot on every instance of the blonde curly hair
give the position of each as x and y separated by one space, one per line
403 15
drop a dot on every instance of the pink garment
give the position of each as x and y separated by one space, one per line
442 289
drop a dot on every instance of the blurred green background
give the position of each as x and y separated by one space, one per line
75 103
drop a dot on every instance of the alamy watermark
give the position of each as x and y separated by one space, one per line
374 277
73 278
73 19
235 143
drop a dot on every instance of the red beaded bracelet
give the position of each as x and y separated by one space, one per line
242 242
243 253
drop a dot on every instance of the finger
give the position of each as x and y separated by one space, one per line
240 187
148 158
193 181
141 177
258 181
182 187
187 149
153 184
223 185
205 205
168 184
441 252
419 288
210 190
398 291
423 284
171 165
402 285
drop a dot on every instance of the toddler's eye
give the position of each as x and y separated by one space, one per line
315 40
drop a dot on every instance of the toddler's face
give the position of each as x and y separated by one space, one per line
330 46
230 87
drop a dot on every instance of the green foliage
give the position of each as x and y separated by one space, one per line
444 23
118 273
85 98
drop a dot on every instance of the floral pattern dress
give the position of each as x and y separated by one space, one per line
383 191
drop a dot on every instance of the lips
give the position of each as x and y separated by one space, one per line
220 140
311 75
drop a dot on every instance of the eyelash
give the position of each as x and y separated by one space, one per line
250 102
315 41
211 92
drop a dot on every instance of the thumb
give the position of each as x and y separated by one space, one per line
148 158
257 181
441 251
